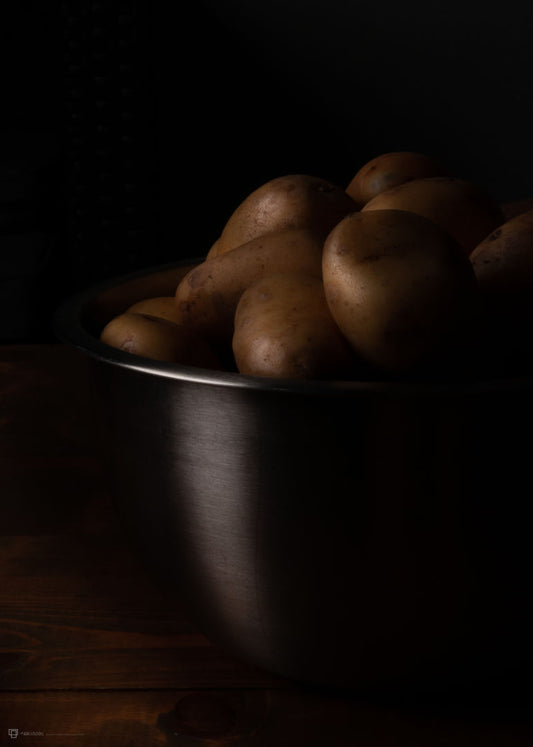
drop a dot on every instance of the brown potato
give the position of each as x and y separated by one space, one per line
503 261
213 251
388 170
158 339
292 201
208 295
283 328
164 307
400 288
118 298
503 264
463 209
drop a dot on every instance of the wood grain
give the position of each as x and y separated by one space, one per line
251 718
98 623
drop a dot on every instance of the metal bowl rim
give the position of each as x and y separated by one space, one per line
69 329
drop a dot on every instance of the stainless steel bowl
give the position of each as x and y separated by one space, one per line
346 533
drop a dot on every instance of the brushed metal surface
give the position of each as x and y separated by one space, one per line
354 534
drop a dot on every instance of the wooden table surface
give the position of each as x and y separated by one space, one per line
92 652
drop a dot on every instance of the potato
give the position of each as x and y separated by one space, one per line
503 265
292 201
163 307
283 328
503 262
213 251
388 170
158 339
401 289
208 295
118 298
463 209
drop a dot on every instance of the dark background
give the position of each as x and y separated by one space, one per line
130 130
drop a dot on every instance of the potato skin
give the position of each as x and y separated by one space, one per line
158 339
463 209
389 170
208 295
118 298
400 289
503 265
503 261
213 251
291 201
163 307
283 328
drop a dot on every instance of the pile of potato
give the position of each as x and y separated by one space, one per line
407 271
